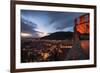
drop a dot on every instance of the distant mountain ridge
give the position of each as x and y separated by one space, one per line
59 36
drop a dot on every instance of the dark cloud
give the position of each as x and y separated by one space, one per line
29 27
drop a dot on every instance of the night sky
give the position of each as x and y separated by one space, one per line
41 23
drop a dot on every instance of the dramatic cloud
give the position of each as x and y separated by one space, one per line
27 26
63 20
40 23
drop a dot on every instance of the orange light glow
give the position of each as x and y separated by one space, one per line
82 24
82 28
85 46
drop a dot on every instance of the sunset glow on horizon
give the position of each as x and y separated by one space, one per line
26 35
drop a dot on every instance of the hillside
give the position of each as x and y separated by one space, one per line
59 36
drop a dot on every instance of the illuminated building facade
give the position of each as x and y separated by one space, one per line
82 27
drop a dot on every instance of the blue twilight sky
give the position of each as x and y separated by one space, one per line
41 23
